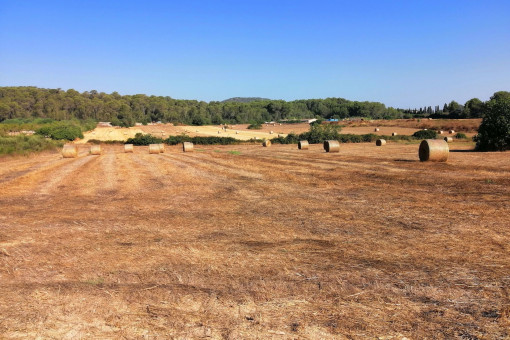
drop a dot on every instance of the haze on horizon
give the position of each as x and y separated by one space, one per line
403 54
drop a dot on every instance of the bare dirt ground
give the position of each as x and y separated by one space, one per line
246 242
241 131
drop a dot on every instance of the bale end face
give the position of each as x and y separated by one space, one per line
452 132
433 150
95 150
376 130
303 145
128 148
332 146
154 148
161 148
266 143
187 147
69 151
380 142
394 134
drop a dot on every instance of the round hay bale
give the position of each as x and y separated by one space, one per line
237 132
219 132
128 148
434 150
332 146
376 130
440 132
69 151
154 148
303 145
187 147
266 143
271 132
452 132
448 139
380 142
95 150
394 133
161 148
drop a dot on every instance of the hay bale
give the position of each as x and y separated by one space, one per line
303 145
266 143
237 132
95 150
128 148
452 132
219 132
154 148
376 130
394 133
440 132
380 142
69 151
332 146
448 139
161 148
271 132
434 150
187 147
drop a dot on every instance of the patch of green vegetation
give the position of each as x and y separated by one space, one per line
234 152
460 135
255 126
425 134
95 282
24 145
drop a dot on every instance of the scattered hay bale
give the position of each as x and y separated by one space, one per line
452 132
95 150
161 148
187 147
70 151
154 148
271 132
219 132
440 132
303 145
380 142
376 130
237 132
394 133
434 150
448 139
128 148
266 143
332 146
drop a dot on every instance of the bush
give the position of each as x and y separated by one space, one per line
319 133
256 126
425 134
291 138
141 139
60 131
494 131
460 135
23 145
174 140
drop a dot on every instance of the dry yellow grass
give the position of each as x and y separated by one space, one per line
365 244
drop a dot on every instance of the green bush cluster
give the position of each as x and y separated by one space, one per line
22 145
460 135
318 133
142 139
255 126
494 131
174 140
425 134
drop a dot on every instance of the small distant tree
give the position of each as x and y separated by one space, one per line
494 131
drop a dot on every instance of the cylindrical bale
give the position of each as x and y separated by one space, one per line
128 148
394 133
376 130
266 143
380 142
452 132
187 147
154 148
332 146
448 139
303 145
161 148
95 150
440 132
237 132
219 132
435 150
70 151
271 132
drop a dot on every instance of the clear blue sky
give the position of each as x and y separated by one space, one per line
402 53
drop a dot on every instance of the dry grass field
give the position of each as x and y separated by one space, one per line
246 242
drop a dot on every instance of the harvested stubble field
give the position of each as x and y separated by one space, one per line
245 242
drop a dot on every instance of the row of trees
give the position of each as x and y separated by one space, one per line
33 102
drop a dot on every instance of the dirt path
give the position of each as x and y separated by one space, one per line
242 241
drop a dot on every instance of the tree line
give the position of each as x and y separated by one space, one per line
126 110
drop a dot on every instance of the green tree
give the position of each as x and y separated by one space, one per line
473 108
494 131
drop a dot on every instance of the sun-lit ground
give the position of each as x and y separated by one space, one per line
246 242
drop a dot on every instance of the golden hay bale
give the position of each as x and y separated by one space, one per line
266 143
440 132
380 142
154 148
161 148
435 150
70 151
128 148
187 147
394 133
303 145
271 132
219 132
448 139
452 132
237 132
95 150
376 130
332 146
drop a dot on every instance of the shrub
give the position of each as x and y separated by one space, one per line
460 135
61 131
23 145
174 140
318 133
494 131
291 138
255 126
425 134
141 139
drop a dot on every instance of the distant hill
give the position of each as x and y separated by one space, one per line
244 99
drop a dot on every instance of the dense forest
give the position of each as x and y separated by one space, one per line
33 102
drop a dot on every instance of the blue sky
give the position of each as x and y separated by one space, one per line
401 53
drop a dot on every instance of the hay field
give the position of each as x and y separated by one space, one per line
246 242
